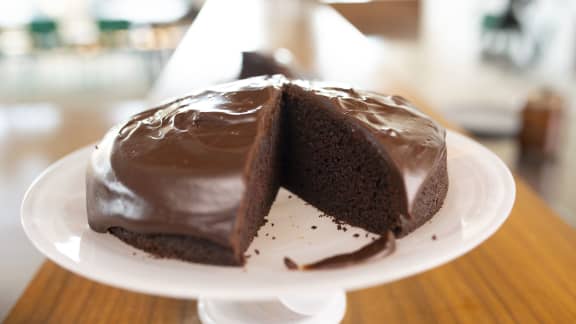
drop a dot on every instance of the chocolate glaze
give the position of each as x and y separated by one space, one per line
385 243
178 169
411 140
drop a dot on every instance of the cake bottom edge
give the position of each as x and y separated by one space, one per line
182 247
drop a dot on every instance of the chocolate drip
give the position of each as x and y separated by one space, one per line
386 243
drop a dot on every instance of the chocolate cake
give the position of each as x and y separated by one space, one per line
194 179
258 64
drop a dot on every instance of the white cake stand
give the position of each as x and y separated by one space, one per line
480 198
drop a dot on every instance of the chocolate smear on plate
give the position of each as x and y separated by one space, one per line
385 244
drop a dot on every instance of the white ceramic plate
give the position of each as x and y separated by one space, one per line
480 197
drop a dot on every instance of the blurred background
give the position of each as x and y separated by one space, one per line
504 70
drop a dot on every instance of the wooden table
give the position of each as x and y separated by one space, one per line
525 273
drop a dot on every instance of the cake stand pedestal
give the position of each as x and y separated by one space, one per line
325 309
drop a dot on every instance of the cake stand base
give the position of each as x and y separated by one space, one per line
325 309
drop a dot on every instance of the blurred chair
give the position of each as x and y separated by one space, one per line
113 33
44 33
505 40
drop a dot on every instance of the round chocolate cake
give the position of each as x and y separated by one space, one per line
195 178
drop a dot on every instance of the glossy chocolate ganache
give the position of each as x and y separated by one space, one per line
194 179
178 169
